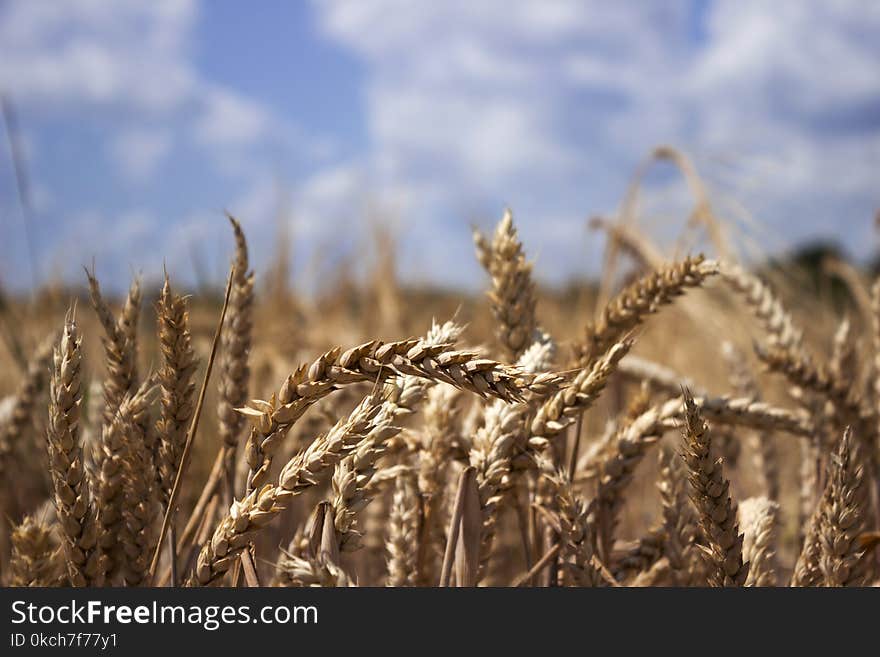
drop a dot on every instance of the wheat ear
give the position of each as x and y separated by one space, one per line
709 490
512 297
843 517
572 520
759 519
401 545
36 554
679 521
175 379
117 353
644 297
249 515
73 497
21 414
235 346
766 307
373 361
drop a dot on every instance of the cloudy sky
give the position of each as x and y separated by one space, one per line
142 121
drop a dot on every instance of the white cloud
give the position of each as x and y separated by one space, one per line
551 106
128 58
140 152
127 53
230 119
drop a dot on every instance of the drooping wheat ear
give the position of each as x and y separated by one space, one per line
437 435
401 545
296 571
759 519
512 296
119 358
350 484
563 408
764 456
374 361
679 521
117 441
572 519
709 492
644 297
21 414
235 346
36 554
781 330
256 510
72 487
176 382
843 516
140 497
849 406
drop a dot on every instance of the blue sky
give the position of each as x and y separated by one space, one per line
142 121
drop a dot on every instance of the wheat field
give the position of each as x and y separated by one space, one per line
687 421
